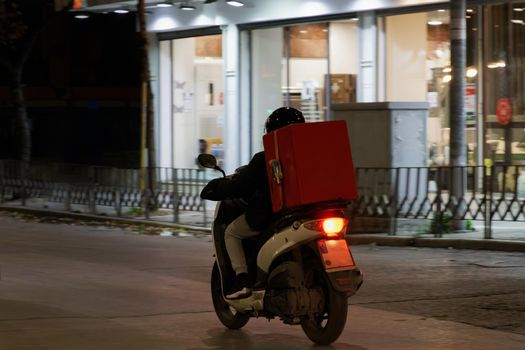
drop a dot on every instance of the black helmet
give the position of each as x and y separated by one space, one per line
283 116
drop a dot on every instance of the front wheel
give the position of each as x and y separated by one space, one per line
226 314
328 325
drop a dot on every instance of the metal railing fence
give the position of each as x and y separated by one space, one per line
442 194
489 194
94 186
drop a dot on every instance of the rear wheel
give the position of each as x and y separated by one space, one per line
328 325
228 316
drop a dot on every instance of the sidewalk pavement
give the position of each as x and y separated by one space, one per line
507 236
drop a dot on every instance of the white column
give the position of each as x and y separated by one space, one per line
366 79
381 60
185 123
165 130
230 54
245 97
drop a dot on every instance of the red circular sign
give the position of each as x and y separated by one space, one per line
503 111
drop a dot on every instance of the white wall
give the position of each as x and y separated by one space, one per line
165 123
266 79
185 127
406 41
343 47
302 69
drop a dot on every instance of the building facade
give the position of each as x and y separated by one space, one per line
219 70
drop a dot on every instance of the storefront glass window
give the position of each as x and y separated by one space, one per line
343 60
438 77
418 69
268 80
290 65
307 63
504 79
192 100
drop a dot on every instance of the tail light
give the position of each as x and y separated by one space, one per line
331 227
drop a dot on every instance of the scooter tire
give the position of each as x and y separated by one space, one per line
228 316
326 328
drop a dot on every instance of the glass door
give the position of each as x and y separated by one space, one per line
267 79
192 99
288 68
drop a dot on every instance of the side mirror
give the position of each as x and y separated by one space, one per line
207 160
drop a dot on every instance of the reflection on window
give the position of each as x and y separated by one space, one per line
198 98
290 68
504 75
303 84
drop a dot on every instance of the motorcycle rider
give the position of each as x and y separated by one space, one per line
251 184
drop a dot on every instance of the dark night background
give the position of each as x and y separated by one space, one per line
82 92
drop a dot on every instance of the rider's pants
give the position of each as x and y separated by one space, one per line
235 233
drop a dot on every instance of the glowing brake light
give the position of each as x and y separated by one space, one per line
332 227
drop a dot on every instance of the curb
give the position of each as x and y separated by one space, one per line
444 243
94 217
354 239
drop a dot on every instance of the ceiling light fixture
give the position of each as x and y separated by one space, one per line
165 4
497 64
517 21
471 72
186 7
470 10
434 23
235 3
441 10
518 9
121 11
82 16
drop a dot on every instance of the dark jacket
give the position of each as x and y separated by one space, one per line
249 183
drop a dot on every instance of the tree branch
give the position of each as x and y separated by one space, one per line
34 31
27 45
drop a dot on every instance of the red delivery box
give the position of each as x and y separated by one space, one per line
309 163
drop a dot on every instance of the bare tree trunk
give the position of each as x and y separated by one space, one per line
458 147
152 164
22 124
23 127
147 115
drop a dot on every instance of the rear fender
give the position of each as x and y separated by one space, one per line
348 281
283 242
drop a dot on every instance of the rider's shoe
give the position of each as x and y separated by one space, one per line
241 288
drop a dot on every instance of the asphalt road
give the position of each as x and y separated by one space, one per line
66 286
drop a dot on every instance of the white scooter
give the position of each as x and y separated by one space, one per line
301 267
